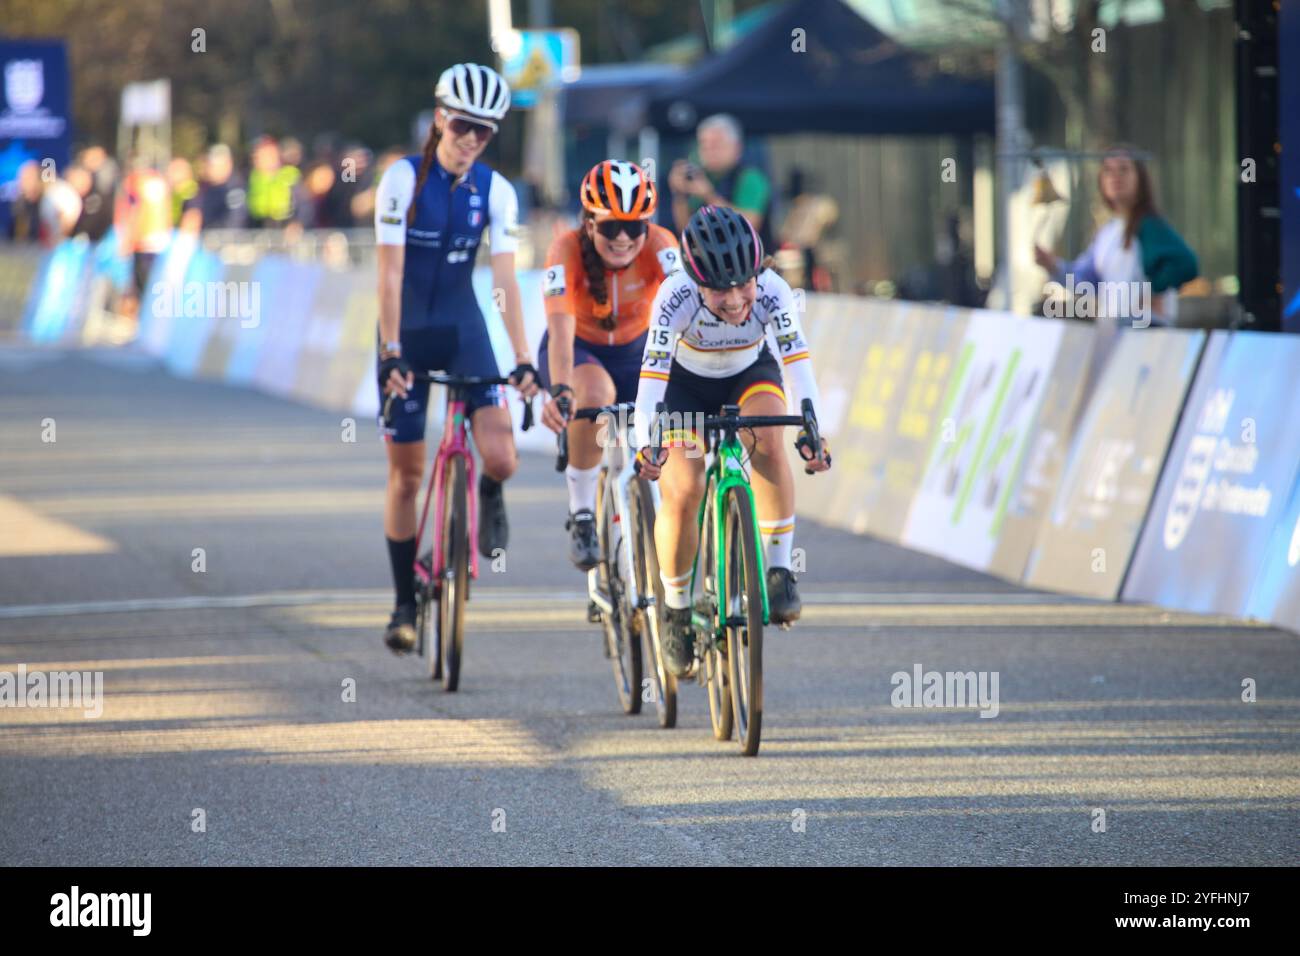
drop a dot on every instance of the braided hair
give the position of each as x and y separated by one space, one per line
594 266
426 160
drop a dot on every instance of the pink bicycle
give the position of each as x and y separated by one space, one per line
443 573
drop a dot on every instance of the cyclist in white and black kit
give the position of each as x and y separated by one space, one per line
707 347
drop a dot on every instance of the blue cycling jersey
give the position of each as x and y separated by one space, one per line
441 246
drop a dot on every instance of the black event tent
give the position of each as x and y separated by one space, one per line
851 78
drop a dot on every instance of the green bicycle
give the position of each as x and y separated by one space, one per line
731 610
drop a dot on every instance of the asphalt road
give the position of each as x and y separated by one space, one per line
223 687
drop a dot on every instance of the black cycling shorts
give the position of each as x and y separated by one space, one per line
689 394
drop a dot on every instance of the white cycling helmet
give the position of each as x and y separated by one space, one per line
474 90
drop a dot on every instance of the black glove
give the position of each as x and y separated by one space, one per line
387 365
804 445
517 376
563 396
657 456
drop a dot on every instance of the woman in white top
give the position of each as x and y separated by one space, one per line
1136 261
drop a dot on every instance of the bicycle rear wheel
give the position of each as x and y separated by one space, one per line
744 620
455 574
645 566
624 648
426 623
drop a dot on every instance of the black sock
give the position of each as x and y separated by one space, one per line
488 485
401 554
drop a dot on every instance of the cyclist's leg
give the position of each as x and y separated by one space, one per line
773 484
771 477
494 438
676 540
489 418
404 442
592 387
486 406
405 446
681 487
681 483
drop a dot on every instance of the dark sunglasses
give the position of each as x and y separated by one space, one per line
460 126
610 228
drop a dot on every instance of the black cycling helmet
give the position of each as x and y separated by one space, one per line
721 248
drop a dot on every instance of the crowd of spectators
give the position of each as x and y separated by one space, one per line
275 189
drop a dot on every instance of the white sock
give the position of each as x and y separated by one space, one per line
778 538
582 487
677 591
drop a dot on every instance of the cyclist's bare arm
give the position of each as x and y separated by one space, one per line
512 312
392 200
503 241
559 360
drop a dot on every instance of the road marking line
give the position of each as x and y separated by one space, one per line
539 595
839 609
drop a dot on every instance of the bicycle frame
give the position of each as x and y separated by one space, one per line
621 464
454 443
725 472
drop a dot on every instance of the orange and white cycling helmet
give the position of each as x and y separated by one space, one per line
618 190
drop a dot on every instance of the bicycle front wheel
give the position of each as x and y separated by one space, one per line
714 671
455 574
744 620
624 648
659 683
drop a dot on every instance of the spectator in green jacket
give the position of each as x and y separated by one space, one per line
715 175
1138 245
271 186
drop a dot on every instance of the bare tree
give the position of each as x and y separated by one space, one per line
1065 42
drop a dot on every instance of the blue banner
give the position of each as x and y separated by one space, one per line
59 288
188 307
268 275
35 119
1276 596
1225 485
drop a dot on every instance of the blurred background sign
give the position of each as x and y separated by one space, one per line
146 103
533 59
34 118
144 128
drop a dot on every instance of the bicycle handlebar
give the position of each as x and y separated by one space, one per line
810 441
457 383
594 412
585 414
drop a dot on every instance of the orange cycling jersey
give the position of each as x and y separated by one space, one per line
631 291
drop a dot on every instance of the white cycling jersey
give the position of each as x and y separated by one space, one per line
712 348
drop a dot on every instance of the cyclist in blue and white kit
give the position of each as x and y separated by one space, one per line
430 214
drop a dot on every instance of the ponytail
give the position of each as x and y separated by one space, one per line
594 267
430 146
